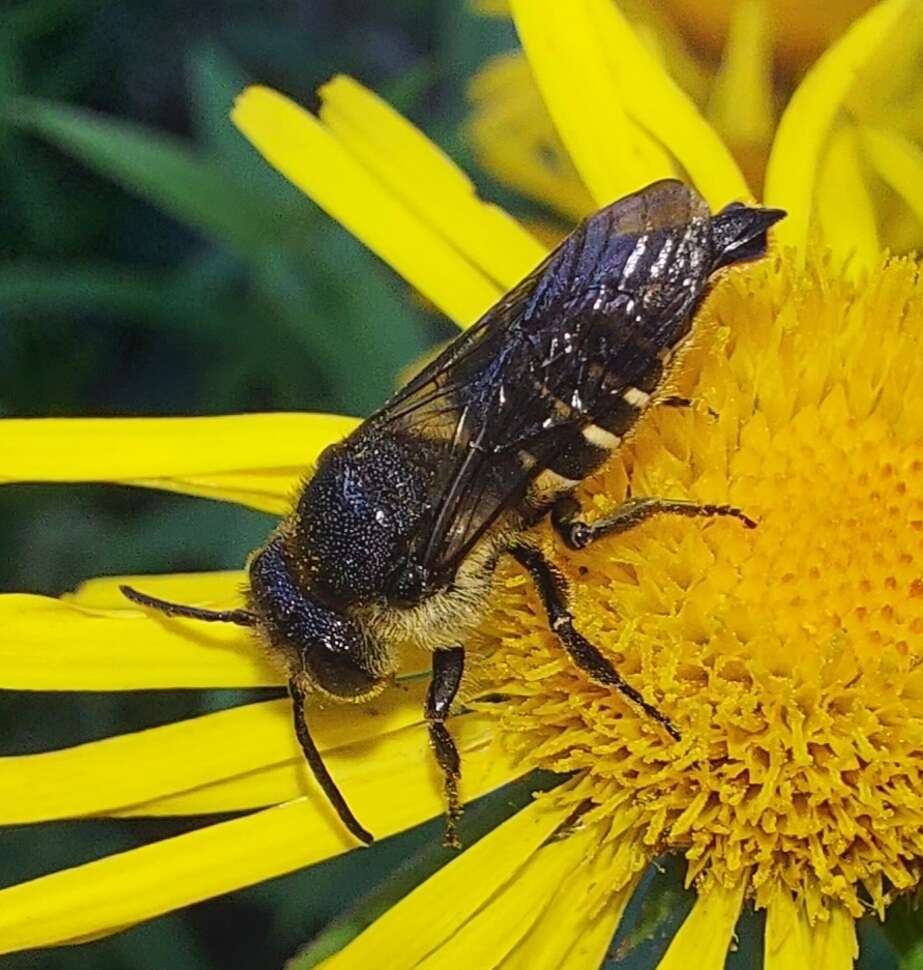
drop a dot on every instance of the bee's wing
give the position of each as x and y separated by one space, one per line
494 396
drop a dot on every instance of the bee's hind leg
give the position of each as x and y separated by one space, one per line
448 667
553 589
578 534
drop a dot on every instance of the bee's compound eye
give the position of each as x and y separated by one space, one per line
337 673
337 654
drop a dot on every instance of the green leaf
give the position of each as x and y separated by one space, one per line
28 20
479 819
27 286
655 912
215 80
195 189
903 926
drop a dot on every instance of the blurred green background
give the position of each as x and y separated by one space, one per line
152 264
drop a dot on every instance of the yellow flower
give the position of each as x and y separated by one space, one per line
801 30
789 655
518 139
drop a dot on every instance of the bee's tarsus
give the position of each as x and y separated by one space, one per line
577 534
676 401
553 589
448 667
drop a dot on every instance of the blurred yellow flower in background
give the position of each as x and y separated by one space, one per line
789 655
801 30
764 47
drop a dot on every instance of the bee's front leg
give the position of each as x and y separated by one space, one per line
448 667
553 589
578 534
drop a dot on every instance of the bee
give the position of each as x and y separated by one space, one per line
396 536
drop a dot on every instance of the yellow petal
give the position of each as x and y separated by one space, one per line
787 944
703 939
50 644
295 142
794 163
263 456
427 182
834 942
270 491
899 162
95 639
510 914
591 947
120 890
222 589
572 934
850 231
436 909
514 139
741 103
584 53
583 96
102 776
274 784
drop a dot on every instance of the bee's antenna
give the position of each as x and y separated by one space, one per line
312 756
240 617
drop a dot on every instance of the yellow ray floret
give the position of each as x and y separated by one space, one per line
468 881
514 139
794 164
255 459
850 230
104 896
573 931
594 71
512 913
51 644
428 182
613 156
100 777
706 933
310 155
900 164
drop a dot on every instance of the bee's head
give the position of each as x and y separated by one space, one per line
323 646
739 233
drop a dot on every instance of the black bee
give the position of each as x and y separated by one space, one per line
396 536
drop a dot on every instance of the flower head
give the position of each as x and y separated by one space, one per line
787 654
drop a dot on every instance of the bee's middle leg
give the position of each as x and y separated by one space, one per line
448 667
578 534
553 589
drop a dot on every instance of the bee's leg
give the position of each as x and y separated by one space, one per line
577 534
553 589
448 667
675 401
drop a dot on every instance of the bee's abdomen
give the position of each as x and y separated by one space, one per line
589 438
585 449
